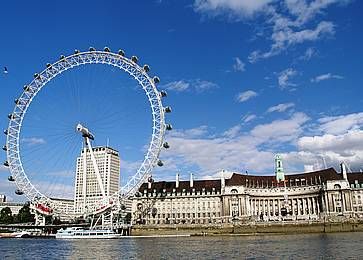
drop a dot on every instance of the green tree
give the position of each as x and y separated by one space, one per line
6 216
24 215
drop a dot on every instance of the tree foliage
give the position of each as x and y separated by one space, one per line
24 215
6 216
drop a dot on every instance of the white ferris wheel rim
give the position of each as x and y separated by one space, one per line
129 66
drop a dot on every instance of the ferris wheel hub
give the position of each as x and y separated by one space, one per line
84 131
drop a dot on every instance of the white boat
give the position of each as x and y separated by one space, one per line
80 233
19 234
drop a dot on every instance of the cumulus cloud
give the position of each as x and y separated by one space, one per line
325 77
33 141
292 22
3 168
280 107
236 149
284 78
281 130
341 124
246 95
309 53
186 85
235 9
248 118
178 86
238 65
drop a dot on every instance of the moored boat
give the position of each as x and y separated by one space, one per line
80 233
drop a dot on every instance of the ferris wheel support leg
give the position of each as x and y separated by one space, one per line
39 219
97 172
84 187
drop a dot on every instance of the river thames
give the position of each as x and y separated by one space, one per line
300 246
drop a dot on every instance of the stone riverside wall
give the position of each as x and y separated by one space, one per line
252 229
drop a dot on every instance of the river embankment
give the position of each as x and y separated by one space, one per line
248 229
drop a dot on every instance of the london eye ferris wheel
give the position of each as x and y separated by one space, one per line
27 180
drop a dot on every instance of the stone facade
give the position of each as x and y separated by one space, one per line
242 198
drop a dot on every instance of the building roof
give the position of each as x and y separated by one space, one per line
253 181
355 176
309 178
198 185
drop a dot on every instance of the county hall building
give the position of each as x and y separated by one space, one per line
243 198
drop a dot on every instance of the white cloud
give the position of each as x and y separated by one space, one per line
281 130
3 168
238 65
235 9
233 132
244 96
309 53
291 21
248 118
280 107
33 141
284 37
178 86
284 77
325 77
191 133
341 124
195 84
238 150
340 144
234 149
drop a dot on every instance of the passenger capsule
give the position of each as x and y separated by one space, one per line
163 93
167 109
16 101
106 49
76 51
62 57
6 132
156 80
48 65
150 179
26 87
36 75
134 59
5 148
11 116
92 49
6 164
138 194
168 127
10 178
160 163
146 68
19 192
166 145
121 53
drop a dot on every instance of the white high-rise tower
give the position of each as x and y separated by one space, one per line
87 190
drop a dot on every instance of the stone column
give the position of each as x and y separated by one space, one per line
342 197
318 206
314 206
273 207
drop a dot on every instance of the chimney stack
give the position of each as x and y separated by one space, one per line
223 181
191 180
344 171
177 181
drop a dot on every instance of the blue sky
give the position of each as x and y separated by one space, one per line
246 80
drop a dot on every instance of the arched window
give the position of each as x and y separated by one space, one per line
337 186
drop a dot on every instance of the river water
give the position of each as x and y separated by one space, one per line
299 246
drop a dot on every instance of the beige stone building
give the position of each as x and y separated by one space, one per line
87 192
313 196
